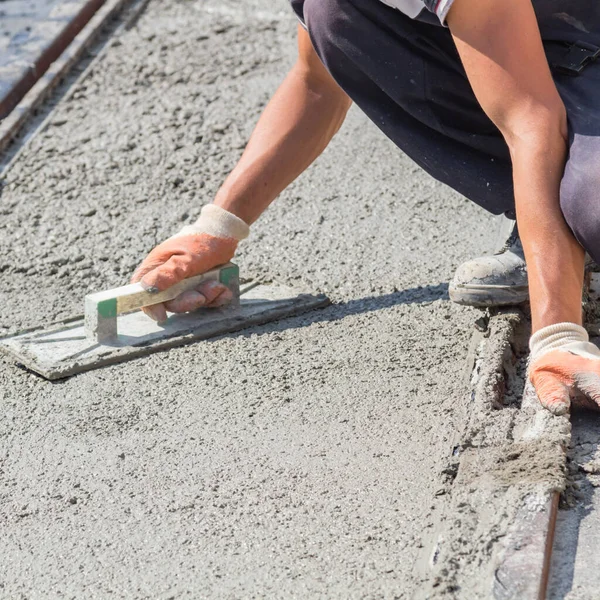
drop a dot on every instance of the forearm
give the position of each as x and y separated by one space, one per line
503 55
294 129
555 260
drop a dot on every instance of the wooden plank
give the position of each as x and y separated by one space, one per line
525 568
499 505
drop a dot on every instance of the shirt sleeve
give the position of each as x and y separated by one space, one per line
298 8
439 8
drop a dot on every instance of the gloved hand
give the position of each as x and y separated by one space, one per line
211 241
564 365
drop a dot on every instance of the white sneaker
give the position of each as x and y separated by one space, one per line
498 280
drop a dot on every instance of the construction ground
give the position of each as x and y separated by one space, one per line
315 457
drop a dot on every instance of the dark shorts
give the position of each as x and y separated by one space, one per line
408 78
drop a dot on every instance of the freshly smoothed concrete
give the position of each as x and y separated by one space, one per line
300 459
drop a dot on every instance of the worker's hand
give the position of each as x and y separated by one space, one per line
198 248
565 366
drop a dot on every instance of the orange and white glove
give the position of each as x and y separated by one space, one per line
211 241
563 366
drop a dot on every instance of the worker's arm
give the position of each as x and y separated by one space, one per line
295 127
501 49
304 114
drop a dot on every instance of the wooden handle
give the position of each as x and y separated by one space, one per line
133 297
102 308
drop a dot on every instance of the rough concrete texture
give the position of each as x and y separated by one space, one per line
574 573
300 459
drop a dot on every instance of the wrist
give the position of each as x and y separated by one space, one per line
242 196
218 222
556 337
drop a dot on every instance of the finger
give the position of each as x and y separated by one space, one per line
157 257
552 392
156 312
186 302
216 293
149 264
140 272
208 294
224 298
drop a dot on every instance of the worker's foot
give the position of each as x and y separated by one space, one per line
497 280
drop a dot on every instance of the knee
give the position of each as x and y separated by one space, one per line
580 202
326 21
325 12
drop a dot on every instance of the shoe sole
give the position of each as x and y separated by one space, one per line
488 295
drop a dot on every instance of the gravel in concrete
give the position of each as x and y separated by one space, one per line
300 459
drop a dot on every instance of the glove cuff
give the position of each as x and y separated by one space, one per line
554 337
218 222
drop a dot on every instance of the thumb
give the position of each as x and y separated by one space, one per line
552 392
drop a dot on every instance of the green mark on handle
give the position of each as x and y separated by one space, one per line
107 308
229 273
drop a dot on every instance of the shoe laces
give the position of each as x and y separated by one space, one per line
511 241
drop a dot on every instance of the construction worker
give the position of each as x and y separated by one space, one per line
499 100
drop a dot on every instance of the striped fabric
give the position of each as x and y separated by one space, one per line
413 8
581 15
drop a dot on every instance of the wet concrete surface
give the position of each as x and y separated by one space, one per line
299 459
32 37
18 16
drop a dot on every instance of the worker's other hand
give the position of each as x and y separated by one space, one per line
197 248
565 367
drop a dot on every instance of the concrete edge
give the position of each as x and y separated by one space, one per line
551 531
57 61
514 551
524 569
